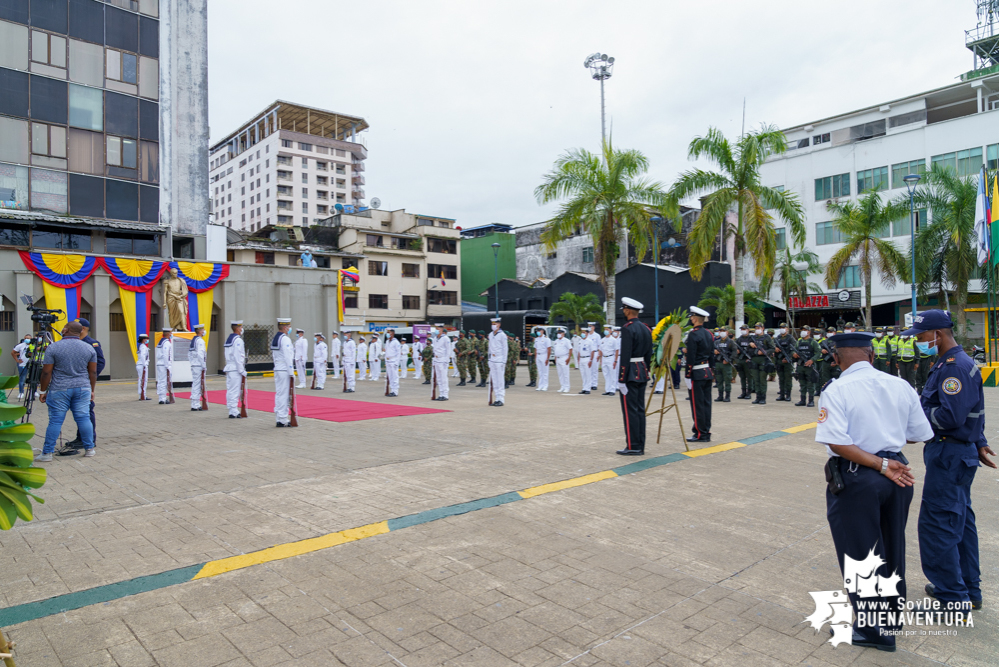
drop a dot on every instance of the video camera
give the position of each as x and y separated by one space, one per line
40 341
44 316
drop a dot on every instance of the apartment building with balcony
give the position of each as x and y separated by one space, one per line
291 165
410 271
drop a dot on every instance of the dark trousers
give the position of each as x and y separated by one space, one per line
633 409
785 372
907 371
93 421
700 406
948 536
674 374
871 513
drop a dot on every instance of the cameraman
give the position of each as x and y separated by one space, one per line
21 353
85 337
70 372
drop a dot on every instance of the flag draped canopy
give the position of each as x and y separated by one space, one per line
62 276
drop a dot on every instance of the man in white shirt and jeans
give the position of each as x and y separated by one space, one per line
20 354
865 419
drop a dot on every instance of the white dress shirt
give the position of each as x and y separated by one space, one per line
393 351
320 353
499 346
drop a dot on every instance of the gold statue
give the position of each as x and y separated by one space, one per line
174 300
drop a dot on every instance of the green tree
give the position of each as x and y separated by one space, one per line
737 185
607 198
577 308
723 300
862 225
792 281
946 255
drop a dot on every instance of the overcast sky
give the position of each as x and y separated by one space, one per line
470 102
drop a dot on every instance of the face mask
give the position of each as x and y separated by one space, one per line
745 332
878 335
495 327
924 348
804 334
759 332
616 334
560 334
723 334
849 331
783 331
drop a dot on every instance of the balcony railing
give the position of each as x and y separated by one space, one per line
358 179
358 166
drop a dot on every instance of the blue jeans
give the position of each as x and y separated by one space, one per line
21 372
75 400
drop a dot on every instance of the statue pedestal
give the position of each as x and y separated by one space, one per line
181 372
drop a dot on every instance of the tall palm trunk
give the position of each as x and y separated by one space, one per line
740 278
611 290
867 309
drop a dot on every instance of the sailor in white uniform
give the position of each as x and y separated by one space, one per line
283 353
393 357
610 347
349 359
361 358
594 338
562 349
320 353
164 367
417 347
235 368
335 347
442 357
585 361
198 356
498 350
542 357
301 355
403 358
142 366
374 358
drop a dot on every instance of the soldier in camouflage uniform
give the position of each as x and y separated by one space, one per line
785 370
512 359
428 358
482 350
806 353
461 348
471 359
532 368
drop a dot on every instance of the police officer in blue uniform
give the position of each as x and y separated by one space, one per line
954 402
77 443
865 419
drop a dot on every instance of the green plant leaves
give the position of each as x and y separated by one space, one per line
16 454
32 478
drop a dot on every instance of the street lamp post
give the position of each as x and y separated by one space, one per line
601 67
910 182
496 248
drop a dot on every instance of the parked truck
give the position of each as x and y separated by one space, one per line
520 323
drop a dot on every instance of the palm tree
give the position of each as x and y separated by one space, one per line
605 198
861 225
791 280
945 248
738 186
577 308
723 300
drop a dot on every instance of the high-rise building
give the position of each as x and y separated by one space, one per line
290 165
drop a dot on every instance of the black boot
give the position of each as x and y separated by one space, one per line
743 395
426 382
728 397
461 384
532 384
721 397
811 402
801 403
756 400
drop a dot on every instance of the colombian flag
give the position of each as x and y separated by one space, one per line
62 276
442 278
136 279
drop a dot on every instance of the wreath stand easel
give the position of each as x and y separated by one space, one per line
670 345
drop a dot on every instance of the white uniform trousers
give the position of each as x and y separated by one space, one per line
233 385
161 384
584 373
661 385
454 365
319 372
440 375
543 369
142 372
610 375
300 367
594 374
392 370
336 368
497 379
196 372
348 370
281 396
375 368
562 367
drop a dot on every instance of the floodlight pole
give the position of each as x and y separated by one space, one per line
601 67
496 248
910 182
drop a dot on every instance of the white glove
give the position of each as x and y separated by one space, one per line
624 389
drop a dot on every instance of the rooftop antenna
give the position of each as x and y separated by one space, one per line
983 40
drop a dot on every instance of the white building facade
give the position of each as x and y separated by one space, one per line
291 166
840 157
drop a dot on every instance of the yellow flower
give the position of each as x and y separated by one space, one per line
659 328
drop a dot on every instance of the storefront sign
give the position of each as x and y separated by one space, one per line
841 299
817 301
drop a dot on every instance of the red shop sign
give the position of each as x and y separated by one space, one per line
818 301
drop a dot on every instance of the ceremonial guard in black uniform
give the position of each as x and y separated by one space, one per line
700 350
636 357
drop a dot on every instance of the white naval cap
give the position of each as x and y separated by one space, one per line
236 323
319 333
284 320
628 302
199 326
495 319
617 328
694 310
167 330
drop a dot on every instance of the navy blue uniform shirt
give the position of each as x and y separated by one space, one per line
100 353
953 398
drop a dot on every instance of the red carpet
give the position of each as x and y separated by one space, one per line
321 407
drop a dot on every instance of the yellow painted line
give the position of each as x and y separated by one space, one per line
704 451
566 484
799 429
283 551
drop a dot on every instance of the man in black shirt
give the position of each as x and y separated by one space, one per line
700 348
636 357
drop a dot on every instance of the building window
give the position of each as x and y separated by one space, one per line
321 210
7 320
588 255
320 166
992 155
441 298
59 238
820 139
48 49
264 257
781 238
421 222
305 178
350 301
122 66
11 234
132 244
902 169
964 163
442 270
305 163
377 268
831 187
444 223
410 302
304 147
849 278
552 255
826 233
285 143
86 107
374 240
116 322
872 179
283 160
901 226
121 152
411 271
379 301
322 180
446 246
48 140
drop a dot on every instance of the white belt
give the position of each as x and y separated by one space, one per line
635 360
698 367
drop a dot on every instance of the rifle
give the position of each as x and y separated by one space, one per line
727 357
387 380
433 381
759 346
204 392
314 367
743 353
291 400
169 388
343 368
490 390
142 384
242 399
787 357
